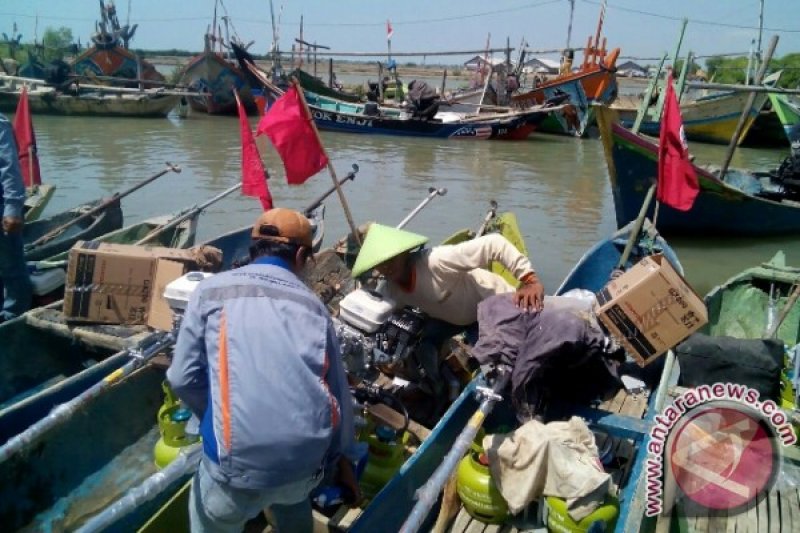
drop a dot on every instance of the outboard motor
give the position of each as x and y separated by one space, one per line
372 334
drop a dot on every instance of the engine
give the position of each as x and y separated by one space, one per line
371 334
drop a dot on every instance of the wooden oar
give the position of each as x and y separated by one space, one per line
115 198
428 493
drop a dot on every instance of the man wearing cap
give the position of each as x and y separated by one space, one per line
446 282
258 362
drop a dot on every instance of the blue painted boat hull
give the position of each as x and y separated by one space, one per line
719 208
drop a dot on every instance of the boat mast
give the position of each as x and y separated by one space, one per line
569 27
760 28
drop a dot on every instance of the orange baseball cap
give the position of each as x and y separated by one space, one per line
283 225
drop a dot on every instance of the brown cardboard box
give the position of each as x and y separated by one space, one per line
650 308
118 284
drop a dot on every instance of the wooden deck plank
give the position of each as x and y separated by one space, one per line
786 513
763 515
774 512
461 522
751 521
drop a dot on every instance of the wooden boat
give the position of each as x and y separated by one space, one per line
314 84
108 219
390 507
746 305
347 117
213 78
119 426
92 101
39 374
788 112
711 118
36 199
719 208
594 83
109 56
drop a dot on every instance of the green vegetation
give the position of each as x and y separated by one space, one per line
732 69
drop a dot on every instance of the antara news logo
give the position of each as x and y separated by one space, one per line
716 448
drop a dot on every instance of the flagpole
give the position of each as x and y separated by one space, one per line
331 170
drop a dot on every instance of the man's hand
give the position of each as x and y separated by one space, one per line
530 296
12 224
347 478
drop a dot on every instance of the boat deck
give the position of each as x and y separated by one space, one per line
623 451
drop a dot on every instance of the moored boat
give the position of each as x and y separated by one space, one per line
720 208
788 112
213 78
86 101
99 223
391 507
122 448
36 199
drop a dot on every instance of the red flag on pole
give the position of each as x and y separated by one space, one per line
26 142
389 30
254 175
677 181
289 128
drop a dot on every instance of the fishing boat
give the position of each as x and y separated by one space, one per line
213 78
100 223
593 83
720 208
86 100
333 115
312 83
36 199
788 113
109 57
391 507
708 118
119 425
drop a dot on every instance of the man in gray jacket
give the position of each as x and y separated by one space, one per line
15 286
258 362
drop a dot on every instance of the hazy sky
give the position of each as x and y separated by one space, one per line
642 28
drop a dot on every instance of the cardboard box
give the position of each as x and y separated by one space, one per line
119 284
650 309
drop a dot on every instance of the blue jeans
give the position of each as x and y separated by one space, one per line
16 286
216 507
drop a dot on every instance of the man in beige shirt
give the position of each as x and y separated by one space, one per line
445 282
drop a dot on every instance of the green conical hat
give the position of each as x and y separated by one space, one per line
383 243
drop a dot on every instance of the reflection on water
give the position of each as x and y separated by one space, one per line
557 186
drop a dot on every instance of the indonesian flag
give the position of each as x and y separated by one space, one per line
254 175
288 125
26 142
677 181
389 30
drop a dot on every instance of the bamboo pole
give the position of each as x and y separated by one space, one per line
682 77
741 88
331 170
642 113
762 69
663 94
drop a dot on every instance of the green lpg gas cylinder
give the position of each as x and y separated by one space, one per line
604 518
385 457
477 490
172 419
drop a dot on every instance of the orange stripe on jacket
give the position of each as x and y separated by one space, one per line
225 400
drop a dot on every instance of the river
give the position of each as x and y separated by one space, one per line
557 186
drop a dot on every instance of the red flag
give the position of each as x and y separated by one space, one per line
389 30
26 142
677 181
254 176
289 128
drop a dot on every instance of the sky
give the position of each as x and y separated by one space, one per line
643 29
